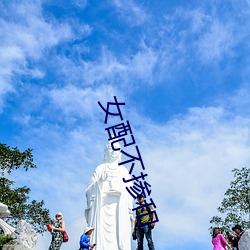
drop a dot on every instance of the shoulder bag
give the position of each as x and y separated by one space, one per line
65 236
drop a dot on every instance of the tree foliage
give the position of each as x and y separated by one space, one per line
17 199
235 207
13 158
6 240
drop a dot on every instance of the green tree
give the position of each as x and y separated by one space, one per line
235 207
17 199
6 239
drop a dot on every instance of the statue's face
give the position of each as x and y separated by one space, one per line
110 153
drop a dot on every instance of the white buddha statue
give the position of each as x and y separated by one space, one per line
244 242
109 205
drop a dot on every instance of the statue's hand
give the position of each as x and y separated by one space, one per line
132 219
104 175
92 199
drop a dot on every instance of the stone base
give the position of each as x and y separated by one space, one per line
13 247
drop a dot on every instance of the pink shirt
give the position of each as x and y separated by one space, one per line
219 242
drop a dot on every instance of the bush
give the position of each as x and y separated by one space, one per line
6 240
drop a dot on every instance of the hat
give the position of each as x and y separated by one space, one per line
88 229
59 213
237 227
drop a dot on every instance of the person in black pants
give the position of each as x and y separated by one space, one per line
236 237
140 231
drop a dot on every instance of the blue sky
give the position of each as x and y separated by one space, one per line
181 67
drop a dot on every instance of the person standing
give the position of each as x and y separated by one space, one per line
239 231
218 240
144 230
56 231
85 239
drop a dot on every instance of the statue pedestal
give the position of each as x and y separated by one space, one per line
13 247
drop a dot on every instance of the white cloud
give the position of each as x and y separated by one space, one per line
143 63
10 57
240 101
122 71
217 42
198 34
194 155
81 102
105 69
25 35
131 12
80 3
198 19
31 33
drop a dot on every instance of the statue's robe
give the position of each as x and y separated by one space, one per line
244 242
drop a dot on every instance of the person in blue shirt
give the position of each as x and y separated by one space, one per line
84 240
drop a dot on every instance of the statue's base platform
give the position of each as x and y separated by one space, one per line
12 247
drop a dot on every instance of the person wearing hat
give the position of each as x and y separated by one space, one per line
84 240
239 231
56 231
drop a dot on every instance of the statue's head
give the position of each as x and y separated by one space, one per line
110 155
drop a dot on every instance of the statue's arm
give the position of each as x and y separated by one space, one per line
90 191
92 187
130 198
